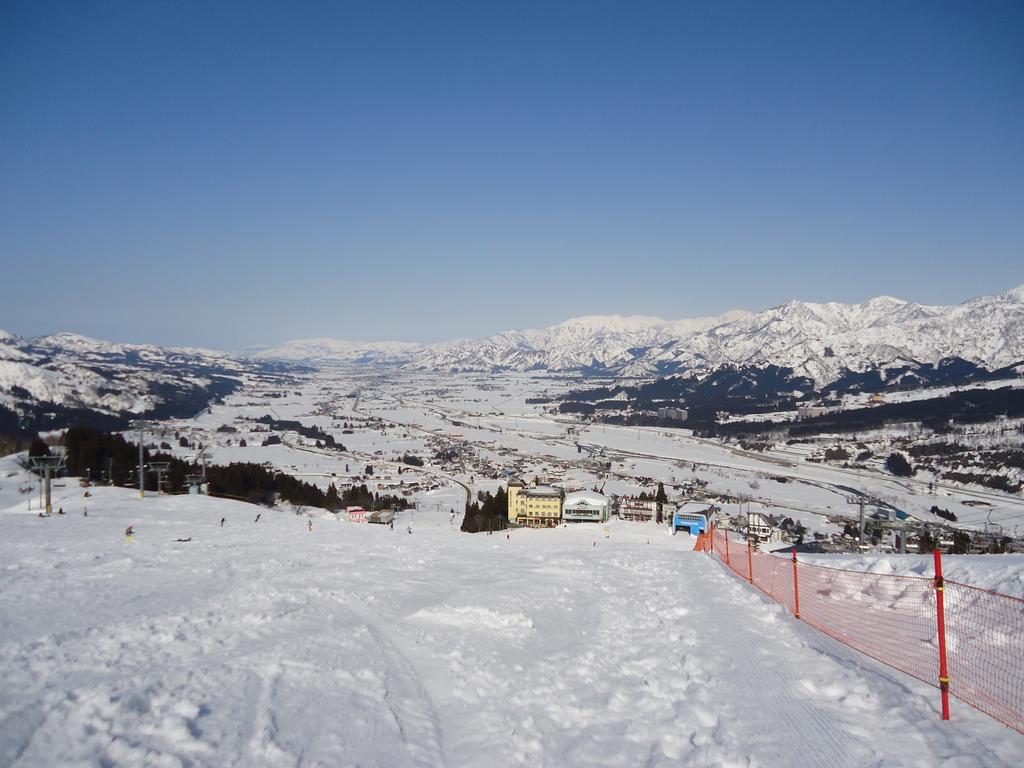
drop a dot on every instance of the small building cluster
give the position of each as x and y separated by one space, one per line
673 414
812 410
545 506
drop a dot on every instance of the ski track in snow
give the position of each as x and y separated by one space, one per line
268 645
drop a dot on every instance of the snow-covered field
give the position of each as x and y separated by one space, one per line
270 644
489 417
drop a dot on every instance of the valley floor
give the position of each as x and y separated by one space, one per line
270 644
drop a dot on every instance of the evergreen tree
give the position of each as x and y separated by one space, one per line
926 544
471 520
489 514
661 497
800 531
331 499
897 464
961 543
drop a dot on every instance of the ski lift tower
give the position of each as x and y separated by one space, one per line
141 424
48 466
196 480
993 531
159 467
862 500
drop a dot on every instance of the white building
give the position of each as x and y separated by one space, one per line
586 506
357 514
675 414
810 411
760 530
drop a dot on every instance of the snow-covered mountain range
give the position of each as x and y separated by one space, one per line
43 378
815 340
823 340
820 341
340 351
602 343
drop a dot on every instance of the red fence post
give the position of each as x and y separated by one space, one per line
796 585
940 608
727 546
750 562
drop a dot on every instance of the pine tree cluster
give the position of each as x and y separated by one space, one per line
104 456
489 515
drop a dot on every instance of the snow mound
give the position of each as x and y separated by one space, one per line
998 573
472 618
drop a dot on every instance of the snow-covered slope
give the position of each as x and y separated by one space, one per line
816 340
270 644
70 371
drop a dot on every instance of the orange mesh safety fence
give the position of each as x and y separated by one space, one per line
894 619
985 647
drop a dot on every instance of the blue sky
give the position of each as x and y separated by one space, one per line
232 174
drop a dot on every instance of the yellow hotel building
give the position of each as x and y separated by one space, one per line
538 507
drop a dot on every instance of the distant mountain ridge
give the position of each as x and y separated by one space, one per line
340 351
577 343
820 341
817 340
596 343
50 381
